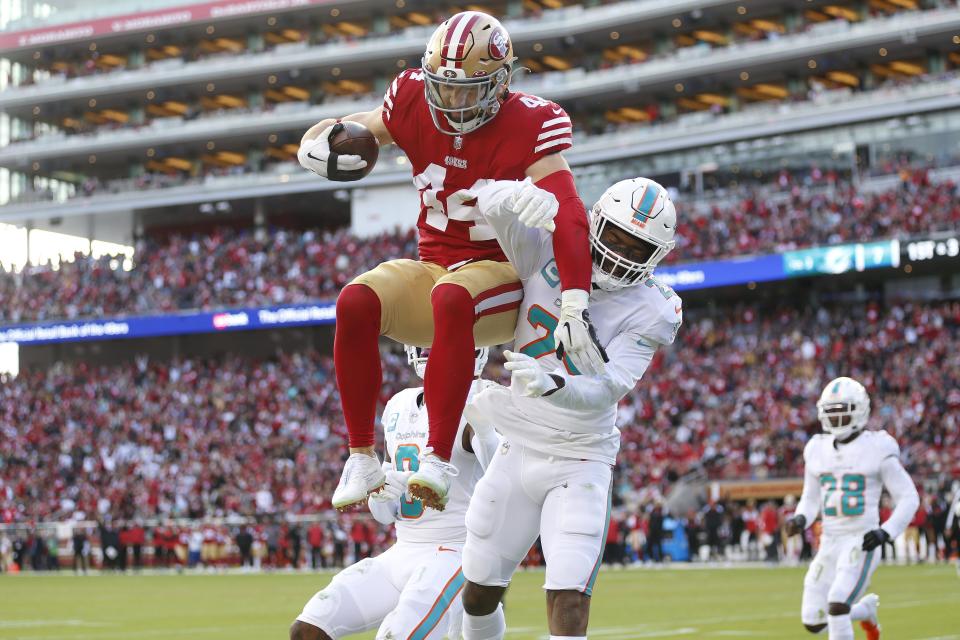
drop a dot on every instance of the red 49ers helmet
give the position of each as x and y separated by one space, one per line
467 69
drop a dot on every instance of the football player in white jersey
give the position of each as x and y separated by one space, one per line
551 475
412 590
845 471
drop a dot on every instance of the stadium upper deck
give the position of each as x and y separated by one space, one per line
202 101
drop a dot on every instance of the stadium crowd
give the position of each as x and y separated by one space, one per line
245 268
219 437
221 269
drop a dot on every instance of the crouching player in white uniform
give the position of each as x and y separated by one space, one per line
551 475
412 590
846 470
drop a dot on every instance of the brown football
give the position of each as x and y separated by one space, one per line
356 139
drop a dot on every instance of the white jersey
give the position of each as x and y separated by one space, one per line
845 482
406 431
630 323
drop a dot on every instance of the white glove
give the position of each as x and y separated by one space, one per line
315 155
527 378
531 205
385 504
575 336
394 487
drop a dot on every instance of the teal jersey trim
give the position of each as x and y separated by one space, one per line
440 606
588 590
863 577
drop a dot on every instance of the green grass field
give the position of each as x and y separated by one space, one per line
916 603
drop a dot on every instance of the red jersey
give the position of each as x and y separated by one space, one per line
526 129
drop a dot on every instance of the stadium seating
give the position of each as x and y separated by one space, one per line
233 269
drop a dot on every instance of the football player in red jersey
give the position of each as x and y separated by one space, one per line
461 127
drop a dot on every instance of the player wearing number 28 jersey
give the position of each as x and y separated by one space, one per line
552 475
461 127
412 590
846 470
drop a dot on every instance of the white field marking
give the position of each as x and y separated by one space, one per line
953 637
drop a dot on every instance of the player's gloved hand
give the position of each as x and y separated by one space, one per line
575 336
394 487
534 207
315 155
527 378
795 525
874 539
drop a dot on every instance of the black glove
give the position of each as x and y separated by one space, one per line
875 538
796 525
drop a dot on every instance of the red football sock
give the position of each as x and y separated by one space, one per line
356 360
450 366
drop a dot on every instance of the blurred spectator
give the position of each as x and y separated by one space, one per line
244 542
315 539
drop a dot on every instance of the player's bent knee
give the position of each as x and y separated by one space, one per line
480 600
302 631
838 609
358 302
815 628
454 300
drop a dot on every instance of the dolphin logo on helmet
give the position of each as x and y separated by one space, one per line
640 211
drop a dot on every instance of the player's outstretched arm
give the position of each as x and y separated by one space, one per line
574 336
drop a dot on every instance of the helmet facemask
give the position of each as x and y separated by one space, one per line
842 419
622 257
459 105
417 358
844 408
466 68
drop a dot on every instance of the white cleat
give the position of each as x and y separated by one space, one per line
431 482
362 475
871 624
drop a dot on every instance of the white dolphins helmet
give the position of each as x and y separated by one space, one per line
843 407
631 231
417 357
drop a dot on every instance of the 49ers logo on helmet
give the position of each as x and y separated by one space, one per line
499 46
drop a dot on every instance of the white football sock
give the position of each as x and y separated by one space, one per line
489 627
859 611
841 627
568 637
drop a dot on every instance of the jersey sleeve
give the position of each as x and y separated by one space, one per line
665 322
900 485
547 130
887 446
630 355
809 505
400 101
522 245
